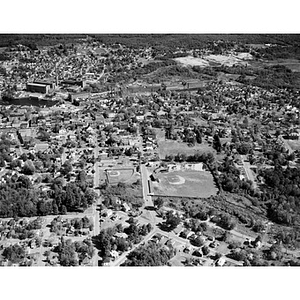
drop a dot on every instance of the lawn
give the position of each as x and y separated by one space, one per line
185 184
294 144
173 147
192 61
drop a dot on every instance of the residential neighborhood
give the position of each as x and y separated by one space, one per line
115 151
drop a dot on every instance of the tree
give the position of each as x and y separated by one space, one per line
44 135
258 227
226 222
14 253
172 220
217 142
205 250
63 210
198 241
158 202
28 168
150 255
66 168
55 208
244 148
67 254
2 162
24 182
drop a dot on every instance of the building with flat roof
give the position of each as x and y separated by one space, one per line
38 88
46 82
71 82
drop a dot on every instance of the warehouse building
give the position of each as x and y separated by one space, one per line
38 88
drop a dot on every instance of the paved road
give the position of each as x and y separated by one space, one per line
123 257
96 213
102 73
63 156
120 260
247 168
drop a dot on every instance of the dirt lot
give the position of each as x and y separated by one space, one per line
185 184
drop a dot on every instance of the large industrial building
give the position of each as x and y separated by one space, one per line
38 88
51 84
41 86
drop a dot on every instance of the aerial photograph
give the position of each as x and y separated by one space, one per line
149 150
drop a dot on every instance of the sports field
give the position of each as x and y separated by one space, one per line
185 184
119 175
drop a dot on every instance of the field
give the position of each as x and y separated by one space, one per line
227 60
114 176
292 64
167 147
185 184
294 144
209 60
174 147
192 61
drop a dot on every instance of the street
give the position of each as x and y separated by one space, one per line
98 201
248 171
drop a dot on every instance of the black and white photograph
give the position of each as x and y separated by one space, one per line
149 148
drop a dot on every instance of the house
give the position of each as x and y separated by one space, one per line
114 254
187 249
106 261
194 167
126 207
41 147
85 262
140 118
121 235
174 167
221 261
108 213
178 229
197 253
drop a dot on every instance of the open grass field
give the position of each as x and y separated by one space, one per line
294 144
167 147
292 64
227 60
119 175
210 60
200 121
192 61
173 147
185 184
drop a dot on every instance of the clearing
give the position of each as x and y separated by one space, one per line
173 147
192 61
294 144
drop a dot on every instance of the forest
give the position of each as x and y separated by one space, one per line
282 194
150 255
18 198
